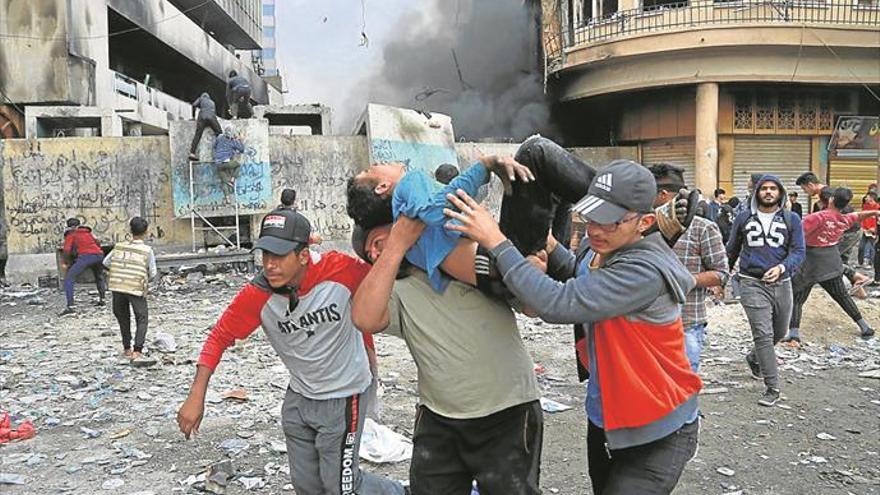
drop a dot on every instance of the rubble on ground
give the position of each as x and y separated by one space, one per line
104 425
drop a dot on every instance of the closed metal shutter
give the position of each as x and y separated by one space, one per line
678 152
854 174
786 158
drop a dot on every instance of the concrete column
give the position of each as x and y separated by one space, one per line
707 138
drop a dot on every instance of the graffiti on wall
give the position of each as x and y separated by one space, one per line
103 187
253 184
318 168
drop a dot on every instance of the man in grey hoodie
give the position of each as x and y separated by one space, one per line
623 291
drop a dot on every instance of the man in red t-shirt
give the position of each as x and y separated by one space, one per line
869 229
81 251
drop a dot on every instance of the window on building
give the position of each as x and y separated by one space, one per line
868 3
270 72
581 11
269 54
771 111
268 10
608 7
662 4
268 32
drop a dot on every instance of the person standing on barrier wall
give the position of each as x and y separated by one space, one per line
238 96
132 264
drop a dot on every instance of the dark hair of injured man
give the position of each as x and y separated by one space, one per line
366 207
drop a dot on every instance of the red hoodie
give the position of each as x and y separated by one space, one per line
81 241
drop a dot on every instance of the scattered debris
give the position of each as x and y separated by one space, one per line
11 479
218 477
164 342
105 423
236 394
380 444
551 406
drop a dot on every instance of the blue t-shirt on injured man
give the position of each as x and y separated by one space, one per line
419 196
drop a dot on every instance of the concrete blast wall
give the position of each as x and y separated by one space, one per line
102 181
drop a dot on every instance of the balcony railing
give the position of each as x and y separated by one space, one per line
139 94
684 15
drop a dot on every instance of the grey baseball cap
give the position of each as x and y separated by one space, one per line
621 187
282 231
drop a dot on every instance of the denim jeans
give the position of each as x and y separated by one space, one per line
694 336
84 261
653 468
866 249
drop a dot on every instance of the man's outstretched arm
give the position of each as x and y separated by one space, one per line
239 320
191 412
369 310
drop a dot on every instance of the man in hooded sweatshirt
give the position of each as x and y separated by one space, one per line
624 292
769 242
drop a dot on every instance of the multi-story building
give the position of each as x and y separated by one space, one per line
119 67
721 87
270 63
264 60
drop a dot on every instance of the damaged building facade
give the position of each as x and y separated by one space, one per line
721 88
120 67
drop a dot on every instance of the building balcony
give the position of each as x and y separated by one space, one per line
142 104
718 41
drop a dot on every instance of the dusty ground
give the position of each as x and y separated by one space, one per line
65 375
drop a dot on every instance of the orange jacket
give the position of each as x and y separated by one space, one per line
644 360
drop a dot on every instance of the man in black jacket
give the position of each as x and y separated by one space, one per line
238 96
207 117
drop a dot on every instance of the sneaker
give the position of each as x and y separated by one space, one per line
770 397
100 302
754 368
792 341
67 311
193 157
867 333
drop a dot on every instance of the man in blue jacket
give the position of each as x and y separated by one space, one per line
769 242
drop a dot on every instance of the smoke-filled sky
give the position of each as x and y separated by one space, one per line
409 61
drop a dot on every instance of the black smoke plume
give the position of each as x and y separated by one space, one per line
478 61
